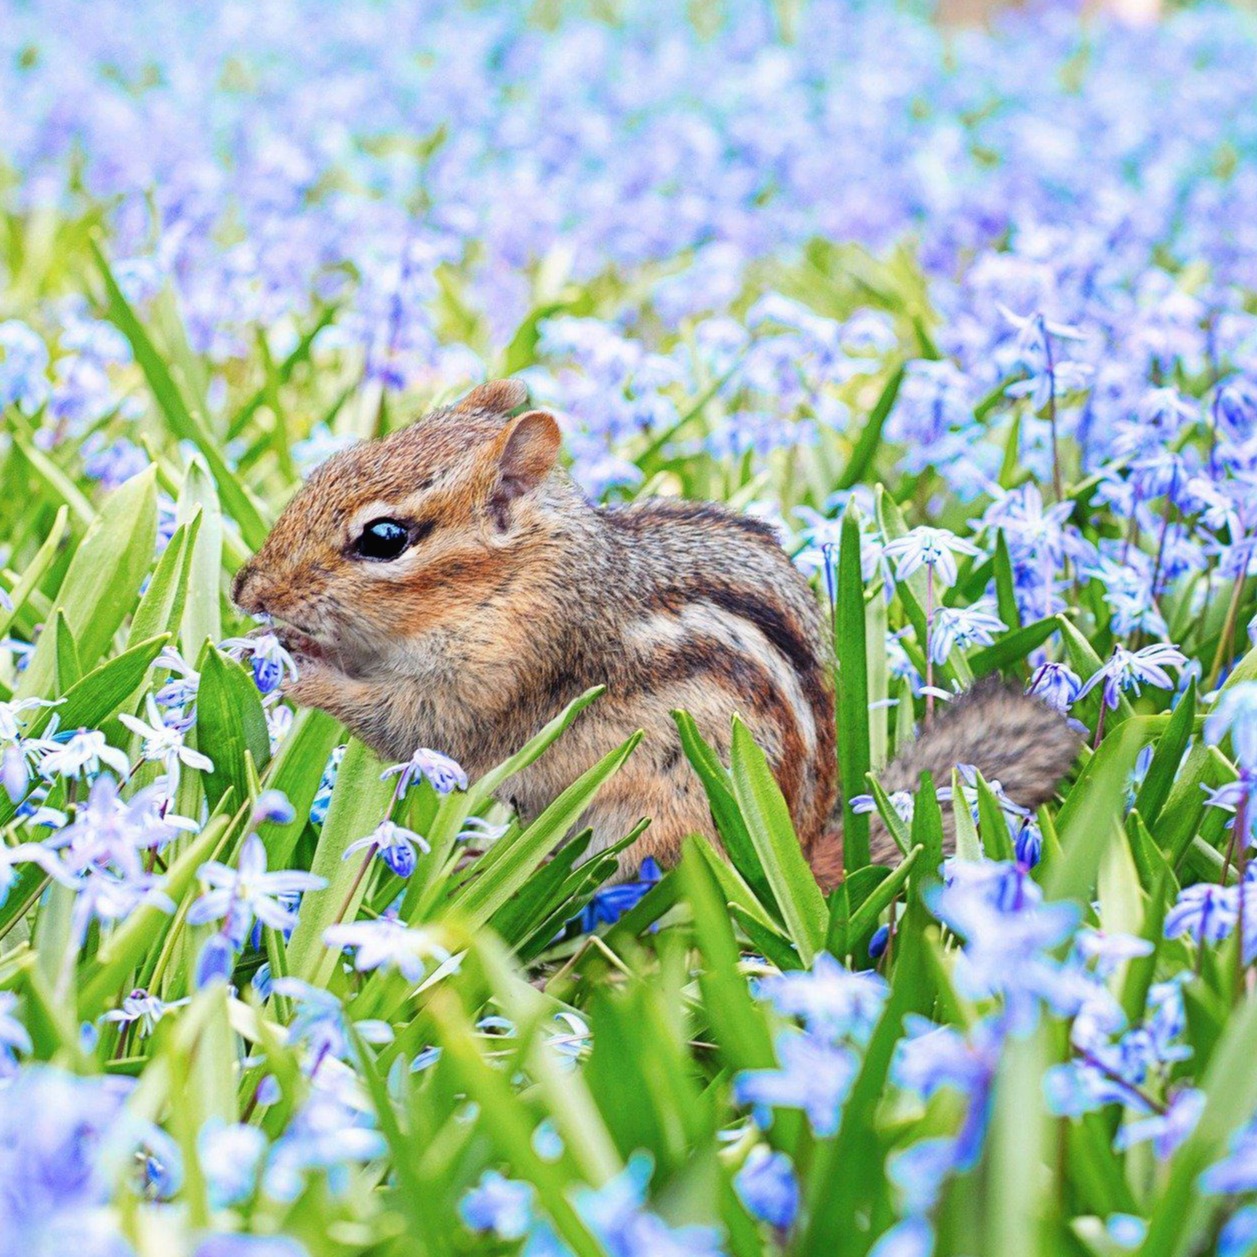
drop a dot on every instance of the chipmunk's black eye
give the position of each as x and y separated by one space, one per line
383 539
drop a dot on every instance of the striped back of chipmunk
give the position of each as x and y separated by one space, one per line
726 624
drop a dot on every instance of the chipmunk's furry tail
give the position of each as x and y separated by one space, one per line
1009 736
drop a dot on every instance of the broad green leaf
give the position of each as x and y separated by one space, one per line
34 572
161 606
513 858
426 882
1167 759
867 443
360 801
229 722
202 611
853 692
730 824
968 845
768 821
101 582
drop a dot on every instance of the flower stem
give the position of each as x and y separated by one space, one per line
929 641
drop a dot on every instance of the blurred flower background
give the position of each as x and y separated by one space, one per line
964 303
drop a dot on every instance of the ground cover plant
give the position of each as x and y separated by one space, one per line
972 317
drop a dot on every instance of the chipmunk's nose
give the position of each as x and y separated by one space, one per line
248 590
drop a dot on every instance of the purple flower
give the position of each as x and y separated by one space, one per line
832 1002
934 548
768 1188
443 774
499 1205
1167 1130
394 845
1128 669
1235 713
813 1075
238 895
1057 685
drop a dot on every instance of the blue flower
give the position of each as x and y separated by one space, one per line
832 1002
611 902
1235 713
239 894
500 1205
14 1037
953 627
913 1237
1128 669
442 773
394 844
1168 1129
1236 1173
1238 1237
1204 911
230 1155
267 658
1057 685
768 1188
249 1246
934 548
1125 1229
813 1075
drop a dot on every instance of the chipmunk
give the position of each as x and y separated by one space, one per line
450 586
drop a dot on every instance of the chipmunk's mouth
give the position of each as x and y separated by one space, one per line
297 642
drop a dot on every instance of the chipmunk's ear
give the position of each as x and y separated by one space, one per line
497 397
525 453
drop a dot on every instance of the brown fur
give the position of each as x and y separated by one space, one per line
1006 735
520 594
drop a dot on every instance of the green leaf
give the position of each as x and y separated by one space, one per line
296 771
866 446
229 722
1167 758
202 611
34 572
853 692
512 860
1183 1211
426 882
101 582
730 824
996 840
863 920
1005 585
738 1025
768 820
66 653
161 606
968 845
1091 816
360 801
183 424
1011 648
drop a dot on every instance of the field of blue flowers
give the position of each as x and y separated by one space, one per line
971 316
